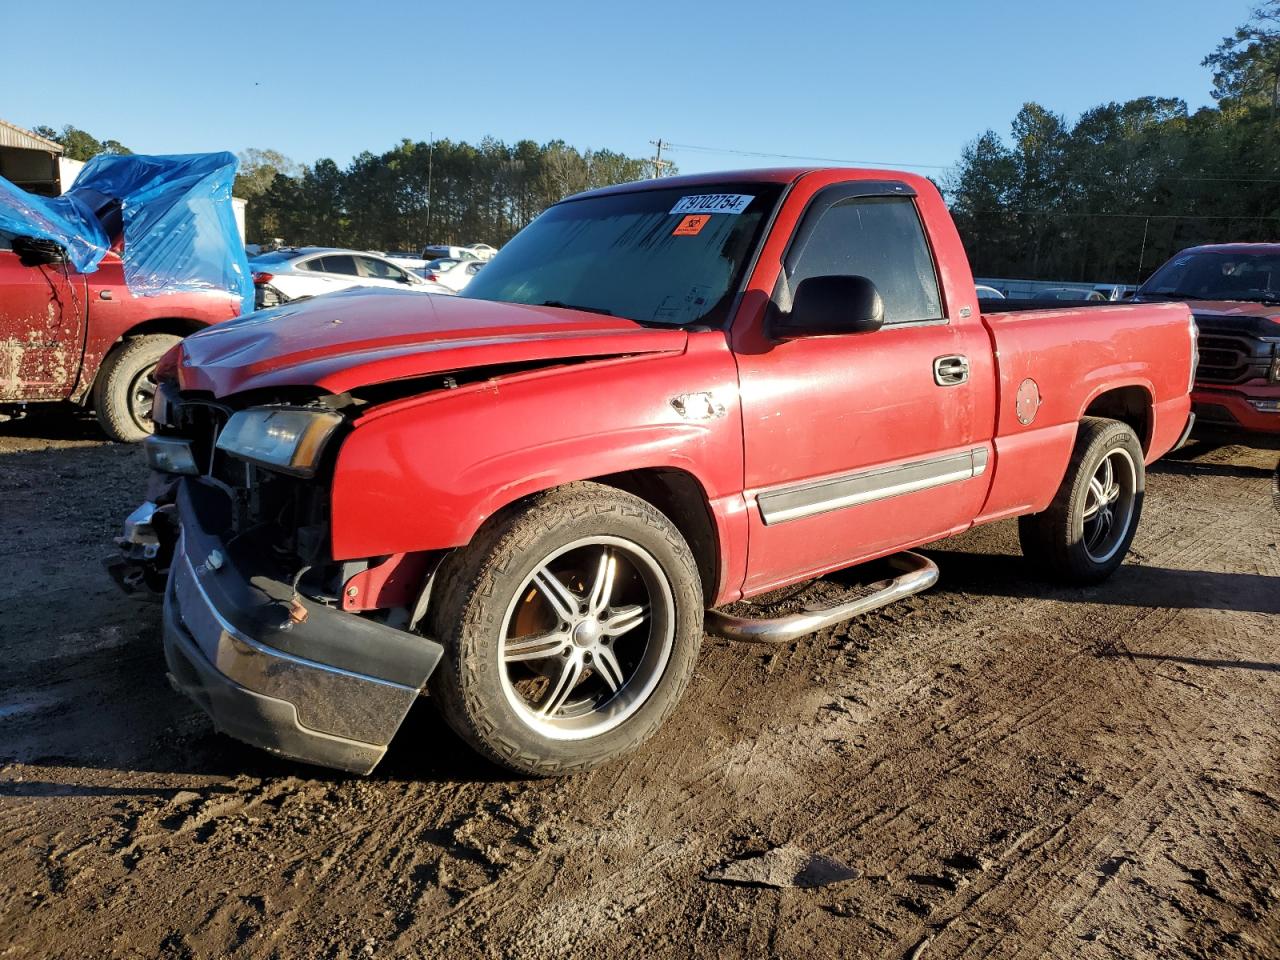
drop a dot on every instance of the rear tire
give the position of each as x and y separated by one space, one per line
1085 533
125 388
571 626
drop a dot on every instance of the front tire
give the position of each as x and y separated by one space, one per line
571 626
1083 536
125 389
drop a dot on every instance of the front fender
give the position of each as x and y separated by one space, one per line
425 475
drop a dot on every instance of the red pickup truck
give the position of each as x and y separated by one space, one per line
87 338
1234 292
659 398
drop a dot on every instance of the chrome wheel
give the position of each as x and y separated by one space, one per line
1108 505
142 398
586 638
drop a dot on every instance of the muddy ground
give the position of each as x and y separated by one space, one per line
1016 770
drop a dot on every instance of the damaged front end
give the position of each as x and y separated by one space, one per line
261 626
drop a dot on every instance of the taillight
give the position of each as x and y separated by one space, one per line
260 277
435 277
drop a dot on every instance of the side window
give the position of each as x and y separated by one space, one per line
315 265
879 238
378 269
343 263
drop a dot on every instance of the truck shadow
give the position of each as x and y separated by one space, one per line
53 422
1134 585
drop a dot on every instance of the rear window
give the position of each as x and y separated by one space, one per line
276 256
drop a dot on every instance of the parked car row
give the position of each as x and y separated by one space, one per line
291 273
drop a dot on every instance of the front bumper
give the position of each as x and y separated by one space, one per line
1231 411
330 689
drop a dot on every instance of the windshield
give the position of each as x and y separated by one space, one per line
666 256
1217 276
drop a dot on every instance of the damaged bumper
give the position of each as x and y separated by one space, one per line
314 684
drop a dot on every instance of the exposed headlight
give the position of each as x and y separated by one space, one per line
170 456
1274 373
286 439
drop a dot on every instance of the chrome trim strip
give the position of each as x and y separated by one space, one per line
916 573
823 496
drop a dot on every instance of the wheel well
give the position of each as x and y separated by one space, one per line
680 496
1131 405
177 326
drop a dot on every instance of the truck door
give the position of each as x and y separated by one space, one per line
858 444
41 328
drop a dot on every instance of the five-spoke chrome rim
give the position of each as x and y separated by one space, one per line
586 638
142 397
1108 505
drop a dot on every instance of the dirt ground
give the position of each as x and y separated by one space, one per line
1015 770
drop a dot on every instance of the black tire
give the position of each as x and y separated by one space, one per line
488 586
1069 542
123 380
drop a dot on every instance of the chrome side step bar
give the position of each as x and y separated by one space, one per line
917 573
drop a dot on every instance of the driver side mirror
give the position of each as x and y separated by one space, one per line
38 251
830 305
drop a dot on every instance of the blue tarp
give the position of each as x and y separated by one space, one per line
180 231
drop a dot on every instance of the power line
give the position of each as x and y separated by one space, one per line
789 156
1127 216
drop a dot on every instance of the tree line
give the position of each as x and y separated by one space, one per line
1116 193
418 192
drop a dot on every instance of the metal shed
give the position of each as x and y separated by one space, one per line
34 163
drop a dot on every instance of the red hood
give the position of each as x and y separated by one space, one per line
1235 308
361 337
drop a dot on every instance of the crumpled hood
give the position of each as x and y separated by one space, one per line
359 337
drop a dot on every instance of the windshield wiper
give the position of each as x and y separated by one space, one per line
573 306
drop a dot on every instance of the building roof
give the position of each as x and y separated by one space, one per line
12 135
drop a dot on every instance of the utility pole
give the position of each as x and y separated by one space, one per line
657 161
431 149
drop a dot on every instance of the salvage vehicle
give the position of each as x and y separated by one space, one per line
88 339
660 398
97 284
1234 291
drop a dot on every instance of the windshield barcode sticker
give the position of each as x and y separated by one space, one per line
733 203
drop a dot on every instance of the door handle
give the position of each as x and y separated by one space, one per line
950 371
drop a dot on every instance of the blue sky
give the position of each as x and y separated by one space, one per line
868 80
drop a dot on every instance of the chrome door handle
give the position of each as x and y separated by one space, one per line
950 371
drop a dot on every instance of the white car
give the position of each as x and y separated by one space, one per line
989 293
452 275
481 251
290 273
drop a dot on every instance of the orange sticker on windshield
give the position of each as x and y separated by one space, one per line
691 225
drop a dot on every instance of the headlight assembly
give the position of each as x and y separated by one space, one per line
283 438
